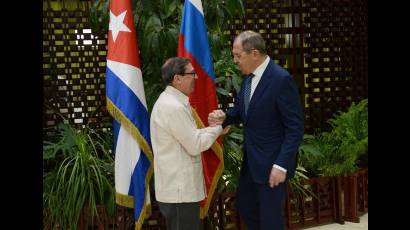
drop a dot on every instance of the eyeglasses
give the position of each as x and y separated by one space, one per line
193 73
238 55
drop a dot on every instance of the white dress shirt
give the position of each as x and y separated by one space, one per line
177 144
255 81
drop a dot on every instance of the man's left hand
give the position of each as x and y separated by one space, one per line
276 177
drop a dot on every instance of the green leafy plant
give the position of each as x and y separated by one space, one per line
218 14
298 184
352 128
79 172
324 155
100 17
228 78
233 144
337 152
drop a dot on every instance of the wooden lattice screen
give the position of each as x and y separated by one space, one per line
74 67
336 64
322 43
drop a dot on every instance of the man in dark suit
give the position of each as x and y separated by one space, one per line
268 106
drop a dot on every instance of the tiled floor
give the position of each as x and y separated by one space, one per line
347 226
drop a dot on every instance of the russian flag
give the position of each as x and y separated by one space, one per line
193 44
126 103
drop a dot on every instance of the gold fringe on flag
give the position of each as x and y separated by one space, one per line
126 200
130 127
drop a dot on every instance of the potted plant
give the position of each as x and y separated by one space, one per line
351 128
77 173
338 154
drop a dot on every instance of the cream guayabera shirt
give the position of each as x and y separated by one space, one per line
177 145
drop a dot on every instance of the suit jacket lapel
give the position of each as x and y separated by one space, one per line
263 83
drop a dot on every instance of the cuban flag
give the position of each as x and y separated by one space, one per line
126 103
193 44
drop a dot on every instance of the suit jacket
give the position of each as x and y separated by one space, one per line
273 127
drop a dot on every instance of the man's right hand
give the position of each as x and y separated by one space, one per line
216 117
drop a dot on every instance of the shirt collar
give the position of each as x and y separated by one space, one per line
177 94
261 68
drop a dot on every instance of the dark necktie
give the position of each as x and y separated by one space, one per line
247 93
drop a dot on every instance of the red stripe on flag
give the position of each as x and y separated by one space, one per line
125 47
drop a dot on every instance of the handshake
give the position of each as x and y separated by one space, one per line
217 117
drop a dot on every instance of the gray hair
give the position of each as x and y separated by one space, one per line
173 66
251 40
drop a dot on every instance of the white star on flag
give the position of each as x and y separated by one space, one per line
117 24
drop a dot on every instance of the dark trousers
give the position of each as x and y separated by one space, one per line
181 216
260 206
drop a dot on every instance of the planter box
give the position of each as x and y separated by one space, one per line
311 210
363 192
100 221
335 199
300 211
123 219
355 190
222 213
